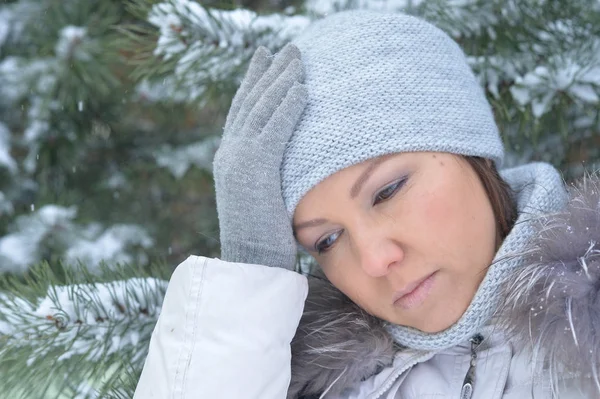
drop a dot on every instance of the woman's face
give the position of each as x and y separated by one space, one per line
408 237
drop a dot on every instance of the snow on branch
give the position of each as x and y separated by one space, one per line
6 159
96 244
211 45
19 248
540 86
13 19
179 160
90 320
68 44
90 326
92 243
325 7
40 84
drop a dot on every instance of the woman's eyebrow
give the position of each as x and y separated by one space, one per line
354 191
362 179
310 223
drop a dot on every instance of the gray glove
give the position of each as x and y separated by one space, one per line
254 224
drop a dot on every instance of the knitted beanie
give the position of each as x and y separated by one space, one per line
382 83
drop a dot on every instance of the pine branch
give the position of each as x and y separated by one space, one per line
78 333
123 387
14 19
198 48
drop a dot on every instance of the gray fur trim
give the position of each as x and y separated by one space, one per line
553 304
337 343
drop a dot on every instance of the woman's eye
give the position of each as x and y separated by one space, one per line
388 192
325 244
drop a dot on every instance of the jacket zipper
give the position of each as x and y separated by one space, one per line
397 374
467 389
469 381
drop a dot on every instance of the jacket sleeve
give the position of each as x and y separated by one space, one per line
224 332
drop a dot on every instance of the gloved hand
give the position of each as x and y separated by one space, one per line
254 224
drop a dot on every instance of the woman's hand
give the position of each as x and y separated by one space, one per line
254 224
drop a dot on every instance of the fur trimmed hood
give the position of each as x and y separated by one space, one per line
552 305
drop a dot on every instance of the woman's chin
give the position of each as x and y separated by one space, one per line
434 327
426 324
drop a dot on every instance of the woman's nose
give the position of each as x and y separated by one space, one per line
378 251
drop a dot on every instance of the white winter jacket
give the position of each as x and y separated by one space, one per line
224 331
229 330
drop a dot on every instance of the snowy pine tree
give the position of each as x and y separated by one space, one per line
110 113
92 164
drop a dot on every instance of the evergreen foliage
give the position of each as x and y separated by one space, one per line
110 113
74 333
94 165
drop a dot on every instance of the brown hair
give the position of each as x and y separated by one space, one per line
500 194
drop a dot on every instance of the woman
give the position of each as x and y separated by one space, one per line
371 145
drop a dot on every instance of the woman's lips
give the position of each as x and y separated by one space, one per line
415 293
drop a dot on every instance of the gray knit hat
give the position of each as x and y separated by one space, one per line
382 83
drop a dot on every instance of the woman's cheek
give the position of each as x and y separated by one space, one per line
333 274
435 211
344 279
